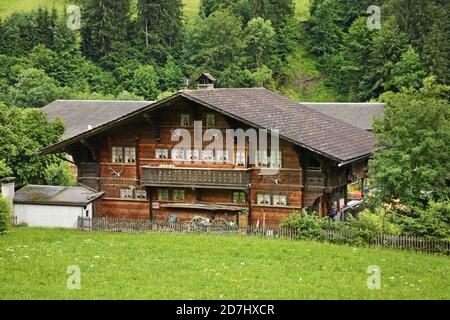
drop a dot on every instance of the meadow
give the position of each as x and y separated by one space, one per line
34 264
191 7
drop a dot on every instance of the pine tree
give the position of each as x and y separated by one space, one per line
436 53
160 22
104 23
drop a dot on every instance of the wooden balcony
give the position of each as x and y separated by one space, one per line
235 179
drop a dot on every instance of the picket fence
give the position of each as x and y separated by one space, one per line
109 224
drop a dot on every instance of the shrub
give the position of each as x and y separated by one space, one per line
307 225
368 225
5 215
432 222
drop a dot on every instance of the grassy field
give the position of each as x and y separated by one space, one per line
9 6
34 262
190 10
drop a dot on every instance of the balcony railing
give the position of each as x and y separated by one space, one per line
196 177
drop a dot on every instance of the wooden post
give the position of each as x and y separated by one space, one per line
150 203
138 173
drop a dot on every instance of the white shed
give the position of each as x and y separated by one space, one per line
53 206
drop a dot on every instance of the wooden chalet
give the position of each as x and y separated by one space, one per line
124 149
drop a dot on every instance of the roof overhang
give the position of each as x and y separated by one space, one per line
62 145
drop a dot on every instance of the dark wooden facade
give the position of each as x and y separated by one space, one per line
147 186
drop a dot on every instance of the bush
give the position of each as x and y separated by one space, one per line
432 222
5 215
368 225
307 225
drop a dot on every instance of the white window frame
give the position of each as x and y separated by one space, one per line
162 152
129 155
183 118
210 117
117 154
160 193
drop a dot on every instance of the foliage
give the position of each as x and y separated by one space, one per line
145 82
34 89
23 132
59 174
408 72
259 42
368 225
5 215
414 153
4 169
361 63
307 225
432 221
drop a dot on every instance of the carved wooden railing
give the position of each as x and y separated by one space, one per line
196 177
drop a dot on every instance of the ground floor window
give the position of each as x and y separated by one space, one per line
163 194
239 197
279 199
276 199
141 194
133 193
126 193
178 195
264 198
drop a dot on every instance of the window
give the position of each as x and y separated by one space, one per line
177 154
314 165
261 159
207 156
162 154
276 159
130 155
222 156
184 120
240 158
141 194
117 154
263 198
178 195
126 193
210 120
239 197
192 155
163 194
279 199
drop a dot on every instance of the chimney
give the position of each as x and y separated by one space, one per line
205 81
8 188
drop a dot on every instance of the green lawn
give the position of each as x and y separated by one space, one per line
34 262
190 10
9 6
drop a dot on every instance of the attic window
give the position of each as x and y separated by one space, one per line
184 120
314 165
210 120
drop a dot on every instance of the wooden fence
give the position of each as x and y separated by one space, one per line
147 226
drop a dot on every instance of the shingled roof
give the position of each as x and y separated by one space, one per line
56 195
302 125
360 115
80 116
262 108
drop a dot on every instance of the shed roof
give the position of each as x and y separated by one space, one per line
360 115
56 195
80 116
